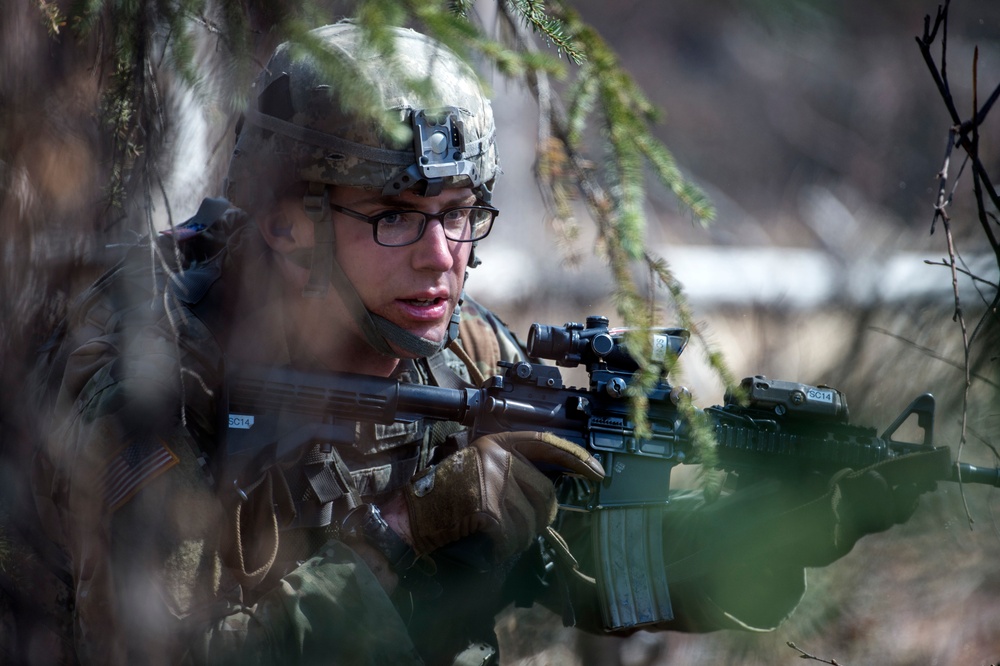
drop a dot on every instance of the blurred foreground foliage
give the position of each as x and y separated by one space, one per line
88 120
595 143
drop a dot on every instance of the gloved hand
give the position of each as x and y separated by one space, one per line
494 487
738 561
775 522
875 498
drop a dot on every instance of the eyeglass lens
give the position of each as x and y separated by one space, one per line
460 224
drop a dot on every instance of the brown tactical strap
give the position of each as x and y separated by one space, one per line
479 346
475 375
444 375
564 557
331 483
260 515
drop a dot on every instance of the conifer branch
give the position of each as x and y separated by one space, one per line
614 197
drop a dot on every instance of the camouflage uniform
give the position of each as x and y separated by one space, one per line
124 482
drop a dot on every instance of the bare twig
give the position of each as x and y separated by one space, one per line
977 120
944 198
970 274
805 655
966 135
933 354
960 130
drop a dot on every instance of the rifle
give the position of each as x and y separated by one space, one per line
777 428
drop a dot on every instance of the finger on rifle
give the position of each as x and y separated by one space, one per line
546 450
921 468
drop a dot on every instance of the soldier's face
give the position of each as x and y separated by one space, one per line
415 286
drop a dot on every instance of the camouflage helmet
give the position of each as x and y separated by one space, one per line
296 128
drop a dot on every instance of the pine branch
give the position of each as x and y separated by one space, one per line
603 94
555 30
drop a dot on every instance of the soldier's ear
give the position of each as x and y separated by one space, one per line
287 228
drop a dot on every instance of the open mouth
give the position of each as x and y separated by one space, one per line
424 309
422 302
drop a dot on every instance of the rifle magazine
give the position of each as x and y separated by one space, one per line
630 578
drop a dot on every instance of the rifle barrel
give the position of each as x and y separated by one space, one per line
967 473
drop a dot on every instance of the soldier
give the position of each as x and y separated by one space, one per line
343 248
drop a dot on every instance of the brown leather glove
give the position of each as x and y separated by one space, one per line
493 487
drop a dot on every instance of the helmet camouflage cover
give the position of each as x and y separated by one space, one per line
299 129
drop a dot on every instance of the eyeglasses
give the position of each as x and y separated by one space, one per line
395 228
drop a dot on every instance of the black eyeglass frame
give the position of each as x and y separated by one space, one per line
375 219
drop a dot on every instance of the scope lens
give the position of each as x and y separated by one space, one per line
550 342
602 344
540 340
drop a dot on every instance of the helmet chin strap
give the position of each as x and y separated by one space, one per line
378 331
420 347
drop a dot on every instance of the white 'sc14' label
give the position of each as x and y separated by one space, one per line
241 421
816 395
660 346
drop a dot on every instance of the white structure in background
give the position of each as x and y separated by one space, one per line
858 261
792 278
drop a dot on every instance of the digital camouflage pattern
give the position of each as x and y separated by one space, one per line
295 118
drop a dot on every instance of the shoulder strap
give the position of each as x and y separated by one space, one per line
486 339
443 374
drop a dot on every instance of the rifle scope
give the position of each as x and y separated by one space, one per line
593 343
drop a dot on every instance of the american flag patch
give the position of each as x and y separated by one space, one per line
136 465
